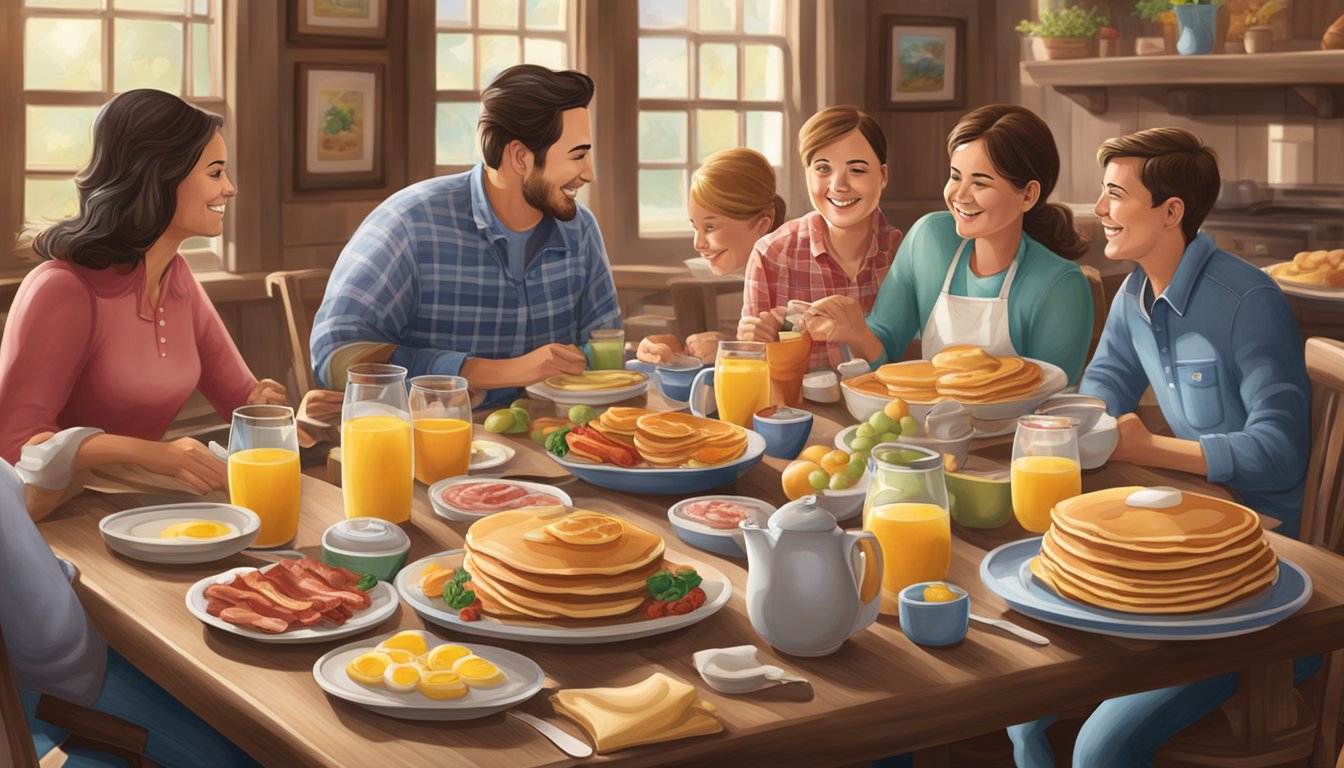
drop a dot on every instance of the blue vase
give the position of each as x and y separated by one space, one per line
1197 24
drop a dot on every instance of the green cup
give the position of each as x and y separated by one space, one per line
366 545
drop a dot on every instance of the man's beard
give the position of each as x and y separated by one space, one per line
540 194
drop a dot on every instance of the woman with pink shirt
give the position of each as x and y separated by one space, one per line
113 332
843 247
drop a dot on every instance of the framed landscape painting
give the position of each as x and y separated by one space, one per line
348 21
339 125
924 62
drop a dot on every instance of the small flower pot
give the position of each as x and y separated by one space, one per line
1259 39
1051 48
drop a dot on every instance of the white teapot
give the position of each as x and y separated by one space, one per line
810 585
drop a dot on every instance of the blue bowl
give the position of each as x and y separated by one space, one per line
666 481
934 624
784 436
672 381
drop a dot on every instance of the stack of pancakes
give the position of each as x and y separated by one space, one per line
962 372
520 570
618 423
591 381
677 439
1320 268
1198 554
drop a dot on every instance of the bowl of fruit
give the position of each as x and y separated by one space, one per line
839 479
947 429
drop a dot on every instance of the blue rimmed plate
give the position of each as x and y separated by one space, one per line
1006 573
669 481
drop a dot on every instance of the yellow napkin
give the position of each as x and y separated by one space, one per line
660 708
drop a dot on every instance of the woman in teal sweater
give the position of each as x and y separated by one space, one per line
993 270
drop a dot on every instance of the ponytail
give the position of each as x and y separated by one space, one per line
1051 225
777 215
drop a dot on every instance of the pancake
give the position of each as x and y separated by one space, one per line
593 381
1119 576
1209 600
676 439
483 564
964 357
1198 523
551 606
914 374
501 536
867 384
1153 558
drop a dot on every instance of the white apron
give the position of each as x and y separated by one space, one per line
966 320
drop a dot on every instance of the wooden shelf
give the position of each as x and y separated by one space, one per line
1204 85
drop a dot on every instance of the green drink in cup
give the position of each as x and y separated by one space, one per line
606 349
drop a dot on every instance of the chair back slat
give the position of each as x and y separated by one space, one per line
19 750
1323 500
297 294
1099 306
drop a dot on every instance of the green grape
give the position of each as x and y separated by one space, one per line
581 414
888 437
522 421
500 421
856 468
881 422
538 436
866 430
840 482
862 444
909 426
819 479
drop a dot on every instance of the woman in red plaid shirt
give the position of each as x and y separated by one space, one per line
843 247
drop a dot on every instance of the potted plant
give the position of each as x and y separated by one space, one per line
1197 21
1159 13
1257 35
1064 34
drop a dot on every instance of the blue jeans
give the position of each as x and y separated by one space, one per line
177 737
1126 732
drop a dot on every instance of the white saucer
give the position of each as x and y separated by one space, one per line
495 454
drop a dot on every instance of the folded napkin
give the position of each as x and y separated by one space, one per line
660 708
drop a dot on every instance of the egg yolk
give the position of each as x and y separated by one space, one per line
402 678
444 656
939 593
478 672
441 685
407 641
397 655
368 668
195 529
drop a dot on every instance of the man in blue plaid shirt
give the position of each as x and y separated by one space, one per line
496 274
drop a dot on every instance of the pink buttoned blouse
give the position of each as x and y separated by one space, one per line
86 348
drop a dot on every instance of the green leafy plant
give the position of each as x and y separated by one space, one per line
337 120
1262 15
1072 21
1151 10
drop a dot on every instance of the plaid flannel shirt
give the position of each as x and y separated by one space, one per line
428 271
791 263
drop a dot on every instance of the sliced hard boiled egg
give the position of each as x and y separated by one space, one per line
398 655
368 668
401 678
479 673
444 656
408 640
442 684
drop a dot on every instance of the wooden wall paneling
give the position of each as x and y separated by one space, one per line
1253 147
322 222
1330 151
1312 17
1086 132
252 88
11 127
312 256
420 85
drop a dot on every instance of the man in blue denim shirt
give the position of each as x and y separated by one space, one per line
1215 339
496 274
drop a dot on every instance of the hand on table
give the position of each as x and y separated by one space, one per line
187 460
1134 441
320 408
763 327
659 349
704 345
268 392
539 364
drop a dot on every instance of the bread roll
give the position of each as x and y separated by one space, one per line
1334 36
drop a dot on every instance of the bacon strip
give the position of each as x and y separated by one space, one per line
290 595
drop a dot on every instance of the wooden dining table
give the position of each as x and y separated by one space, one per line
879 695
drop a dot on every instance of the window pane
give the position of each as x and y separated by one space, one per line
765 134
763 17
63 55
497 13
49 199
59 137
548 53
718 71
453 12
715 129
200 244
662 14
662 68
662 137
80 4
718 15
662 200
148 55
161 6
453 63
545 14
498 53
202 60
455 133
200 7
764 75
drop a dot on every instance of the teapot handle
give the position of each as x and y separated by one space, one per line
699 398
868 583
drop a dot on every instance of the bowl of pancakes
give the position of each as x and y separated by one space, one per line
680 453
591 387
992 388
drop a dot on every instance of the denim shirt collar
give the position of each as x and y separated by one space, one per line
1177 293
548 234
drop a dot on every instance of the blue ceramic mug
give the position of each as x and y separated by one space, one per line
785 430
672 381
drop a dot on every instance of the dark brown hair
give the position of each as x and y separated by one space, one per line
525 104
145 142
1022 150
831 123
1175 164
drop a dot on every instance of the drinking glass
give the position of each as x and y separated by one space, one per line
264 470
376 470
441 414
1046 469
741 382
606 349
906 509
788 360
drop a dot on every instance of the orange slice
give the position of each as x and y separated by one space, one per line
586 528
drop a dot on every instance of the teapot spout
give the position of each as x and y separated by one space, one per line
760 542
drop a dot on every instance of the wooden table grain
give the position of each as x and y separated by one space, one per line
878 695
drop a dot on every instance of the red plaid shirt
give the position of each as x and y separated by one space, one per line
792 263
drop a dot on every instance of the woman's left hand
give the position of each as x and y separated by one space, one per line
268 392
834 319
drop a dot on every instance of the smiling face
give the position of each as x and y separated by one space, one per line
981 200
845 180
1132 224
553 187
724 241
204 193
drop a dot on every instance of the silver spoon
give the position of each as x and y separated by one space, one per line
1011 628
567 744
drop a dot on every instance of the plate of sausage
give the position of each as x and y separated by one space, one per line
712 523
467 499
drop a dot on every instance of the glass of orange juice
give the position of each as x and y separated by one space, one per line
741 382
264 470
906 509
376 467
1045 468
441 417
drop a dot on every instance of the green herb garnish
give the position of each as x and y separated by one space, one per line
456 595
366 582
670 586
555 442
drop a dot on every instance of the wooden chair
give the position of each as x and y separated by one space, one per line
1100 306
1307 718
297 294
13 722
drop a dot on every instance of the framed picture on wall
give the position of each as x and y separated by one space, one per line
347 21
340 130
923 63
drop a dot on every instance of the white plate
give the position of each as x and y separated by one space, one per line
458 515
525 678
593 397
1318 294
384 605
495 454
716 586
124 532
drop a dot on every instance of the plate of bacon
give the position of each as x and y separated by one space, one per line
712 522
468 499
292 601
